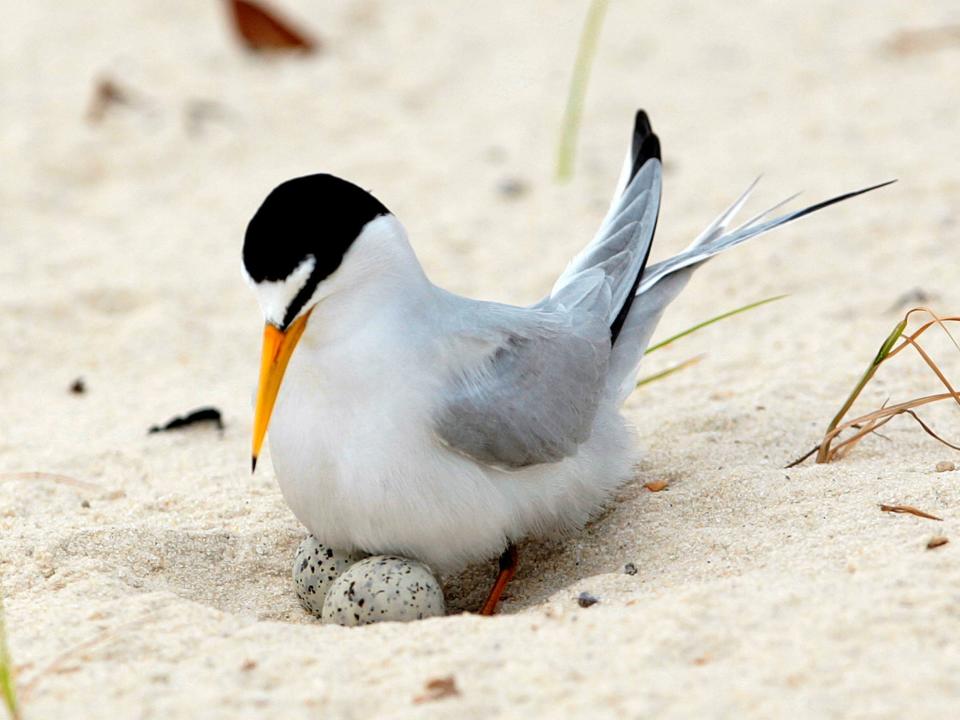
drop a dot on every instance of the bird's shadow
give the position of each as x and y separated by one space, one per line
467 590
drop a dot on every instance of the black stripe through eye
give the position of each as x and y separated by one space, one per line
301 298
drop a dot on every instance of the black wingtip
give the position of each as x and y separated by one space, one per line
253 464
641 123
645 145
841 198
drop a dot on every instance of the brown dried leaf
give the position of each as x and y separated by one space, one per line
656 485
909 510
936 541
262 30
437 689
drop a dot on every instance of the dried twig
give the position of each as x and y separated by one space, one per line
794 463
909 510
885 415
930 431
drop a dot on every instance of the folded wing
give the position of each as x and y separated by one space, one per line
531 394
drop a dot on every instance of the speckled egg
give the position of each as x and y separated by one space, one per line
315 567
383 588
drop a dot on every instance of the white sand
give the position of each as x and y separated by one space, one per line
760 592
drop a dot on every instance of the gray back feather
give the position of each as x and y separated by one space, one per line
532 396
530 380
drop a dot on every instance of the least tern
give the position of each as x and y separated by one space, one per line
414 421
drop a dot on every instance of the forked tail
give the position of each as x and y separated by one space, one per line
663 281
610 276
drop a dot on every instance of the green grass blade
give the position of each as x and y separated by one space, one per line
7 690
711 321
823 454
570 127
670 370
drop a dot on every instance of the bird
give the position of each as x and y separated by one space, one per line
406 419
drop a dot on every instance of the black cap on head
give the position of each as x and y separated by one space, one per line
315 216
318 215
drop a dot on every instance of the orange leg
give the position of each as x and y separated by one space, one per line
508 568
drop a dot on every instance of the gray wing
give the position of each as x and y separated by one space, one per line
530 395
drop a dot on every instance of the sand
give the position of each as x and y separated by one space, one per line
160 586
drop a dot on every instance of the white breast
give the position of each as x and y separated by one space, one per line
352 444
355 455
352 435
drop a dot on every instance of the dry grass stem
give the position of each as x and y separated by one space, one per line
909 510
689 331
570 127
882 353
832 448
711 321
671 370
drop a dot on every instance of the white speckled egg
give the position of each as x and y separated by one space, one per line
315 567
383 588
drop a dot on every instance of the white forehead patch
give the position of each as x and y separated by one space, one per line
275 296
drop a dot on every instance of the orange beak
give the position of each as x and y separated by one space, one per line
277 348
